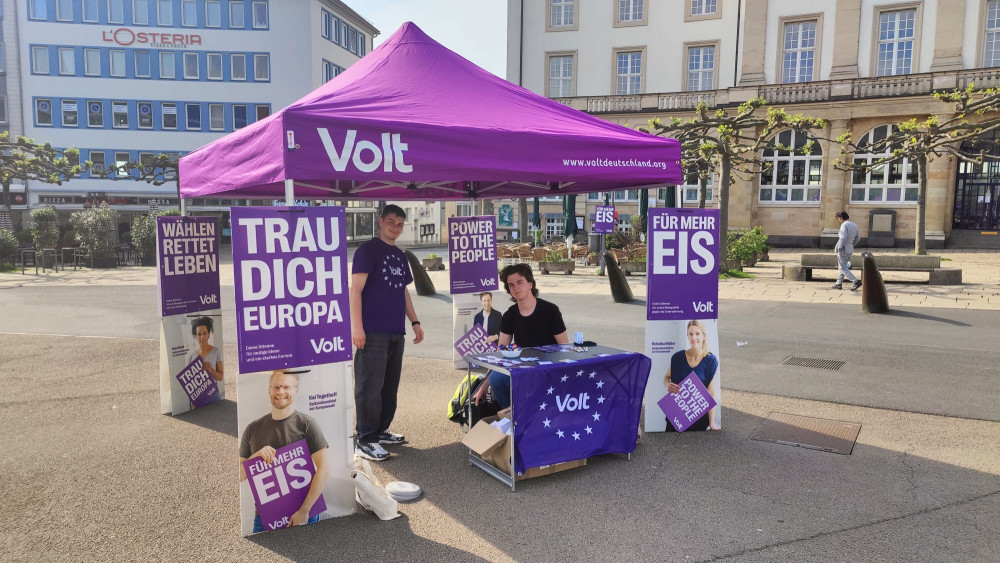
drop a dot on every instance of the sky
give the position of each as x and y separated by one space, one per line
475 29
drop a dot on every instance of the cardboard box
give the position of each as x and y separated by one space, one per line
493 446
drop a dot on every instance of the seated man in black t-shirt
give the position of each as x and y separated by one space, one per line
282 426
528 322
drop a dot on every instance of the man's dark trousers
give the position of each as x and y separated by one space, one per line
376 380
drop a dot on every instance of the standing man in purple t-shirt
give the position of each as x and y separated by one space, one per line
379 303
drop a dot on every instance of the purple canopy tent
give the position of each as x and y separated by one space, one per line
413 120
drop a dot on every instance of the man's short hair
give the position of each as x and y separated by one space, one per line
522 270
490 293
843 215
393 209
283 372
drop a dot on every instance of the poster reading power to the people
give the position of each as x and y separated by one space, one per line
472 261
191 366
684 392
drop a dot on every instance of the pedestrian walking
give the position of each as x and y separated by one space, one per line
850 235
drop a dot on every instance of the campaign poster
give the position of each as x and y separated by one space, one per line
187 258
295 448
680 349
604 219
185 339
685 405
292 299
476 341
682 272
475 283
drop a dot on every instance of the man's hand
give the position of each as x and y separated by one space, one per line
493 338
673 388
266 453
419 333
300 518
358 337
480 393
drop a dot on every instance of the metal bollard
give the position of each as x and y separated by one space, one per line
874 298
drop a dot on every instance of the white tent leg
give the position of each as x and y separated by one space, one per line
289 192
184 208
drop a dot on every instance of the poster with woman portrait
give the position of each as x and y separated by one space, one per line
680 349
192 371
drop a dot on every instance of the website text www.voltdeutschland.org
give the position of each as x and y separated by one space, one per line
614 163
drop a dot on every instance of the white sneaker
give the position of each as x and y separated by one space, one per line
372 451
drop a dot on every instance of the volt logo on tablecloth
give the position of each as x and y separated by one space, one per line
573 409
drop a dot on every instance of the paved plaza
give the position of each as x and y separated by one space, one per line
93 472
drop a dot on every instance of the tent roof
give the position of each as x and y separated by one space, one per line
414 120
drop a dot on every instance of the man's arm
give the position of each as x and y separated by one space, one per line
411 314
841 238
357 325
301 515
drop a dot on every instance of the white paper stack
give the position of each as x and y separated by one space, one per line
502 425
403 491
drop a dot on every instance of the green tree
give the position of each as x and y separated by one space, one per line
44 227
24 159
976 112
97 227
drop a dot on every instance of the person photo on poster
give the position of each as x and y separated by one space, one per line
489 317
211 356
698 360
283 426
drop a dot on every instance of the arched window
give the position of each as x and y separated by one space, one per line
691 185
895 182
793 172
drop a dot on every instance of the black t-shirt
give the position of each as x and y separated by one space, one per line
537 329
265 431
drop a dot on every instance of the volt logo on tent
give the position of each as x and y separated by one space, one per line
366 155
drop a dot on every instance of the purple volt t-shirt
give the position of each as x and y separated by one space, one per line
383 301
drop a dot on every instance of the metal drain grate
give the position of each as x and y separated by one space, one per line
821 434
799 361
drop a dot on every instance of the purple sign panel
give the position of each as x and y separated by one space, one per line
187 253
472 254
474 342
604 219
292 301
200 387
683 269
279 489
687 406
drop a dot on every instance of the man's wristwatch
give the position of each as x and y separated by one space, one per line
414 323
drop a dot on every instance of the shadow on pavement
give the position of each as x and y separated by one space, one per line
220 417
922 316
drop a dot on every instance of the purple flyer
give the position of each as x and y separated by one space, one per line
292 301
474 342
604 219
279 489
200 387
472 254
687 406
683 264
187 256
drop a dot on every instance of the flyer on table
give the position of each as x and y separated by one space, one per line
295 449
683 269
191 361
292 299
187 257
472 254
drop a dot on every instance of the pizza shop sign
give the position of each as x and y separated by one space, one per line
124 36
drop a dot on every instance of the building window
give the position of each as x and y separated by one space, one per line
893 182
193 112
116 11
3 56
692 185
334 29
3 109
628 79
40 60
142 64
168 68
214 66
189 13
991 51
237 19
361 44
96 159
95 113
259 15
117 57
145 112
213 13
43 111
630 11
352 43
90 11
92 62
324 24
67 61
793 168
191 66
146 161
342 38
704 7
239 116
701 68
330 71
554 227
168 115
560 76
238 66
38 10
216 117
798 58
70 115
165 12
261 67
119 115
562 13
140 12
895 42
121 162
263 111
64 10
